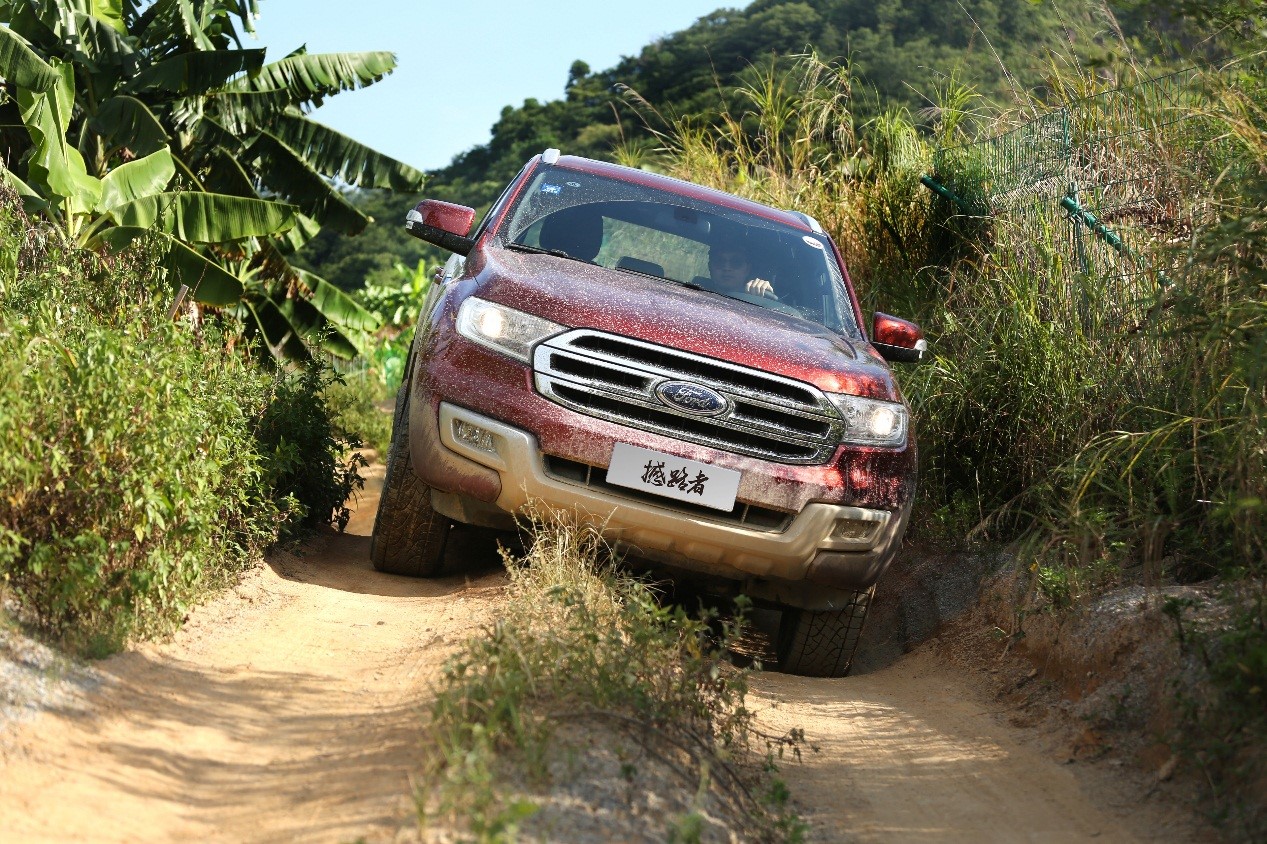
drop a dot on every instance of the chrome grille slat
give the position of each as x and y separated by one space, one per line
615 378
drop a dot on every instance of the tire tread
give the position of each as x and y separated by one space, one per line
822 643
409 537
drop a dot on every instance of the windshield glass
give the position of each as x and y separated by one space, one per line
656 233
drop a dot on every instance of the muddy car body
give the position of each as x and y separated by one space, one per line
579 351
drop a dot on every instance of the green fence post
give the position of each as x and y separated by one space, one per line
946 193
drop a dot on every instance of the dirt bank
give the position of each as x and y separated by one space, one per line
290 710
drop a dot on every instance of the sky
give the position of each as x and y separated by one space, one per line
461 61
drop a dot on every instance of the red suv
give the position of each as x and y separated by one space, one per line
687 368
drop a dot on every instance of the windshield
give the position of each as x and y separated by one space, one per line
681 240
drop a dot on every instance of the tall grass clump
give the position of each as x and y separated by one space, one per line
1078 402
1006 394
583 649
143 461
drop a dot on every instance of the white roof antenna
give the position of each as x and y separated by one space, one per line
550 156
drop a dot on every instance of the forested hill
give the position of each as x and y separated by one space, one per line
900 50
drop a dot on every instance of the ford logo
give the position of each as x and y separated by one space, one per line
692 398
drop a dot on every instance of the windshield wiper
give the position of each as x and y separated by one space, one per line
642 273
537 250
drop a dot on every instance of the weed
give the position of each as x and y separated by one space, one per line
582 642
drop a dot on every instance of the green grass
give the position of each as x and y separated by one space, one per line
581 643
1112 425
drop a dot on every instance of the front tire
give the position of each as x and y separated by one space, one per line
409 537
822 643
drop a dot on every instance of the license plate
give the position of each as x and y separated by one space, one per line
673 477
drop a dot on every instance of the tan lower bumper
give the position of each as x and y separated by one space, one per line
806 549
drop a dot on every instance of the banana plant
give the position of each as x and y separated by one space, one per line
152 119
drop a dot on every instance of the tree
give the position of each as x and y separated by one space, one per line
151 119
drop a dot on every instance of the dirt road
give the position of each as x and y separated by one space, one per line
290 710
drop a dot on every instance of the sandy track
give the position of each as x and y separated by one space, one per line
912 753
290 710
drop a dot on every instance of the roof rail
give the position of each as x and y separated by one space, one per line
550 156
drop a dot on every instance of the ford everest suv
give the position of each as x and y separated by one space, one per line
590 348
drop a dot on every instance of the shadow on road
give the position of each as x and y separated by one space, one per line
342 561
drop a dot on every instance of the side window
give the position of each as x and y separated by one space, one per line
496 208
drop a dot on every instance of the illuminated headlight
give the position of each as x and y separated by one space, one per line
503 329
871 422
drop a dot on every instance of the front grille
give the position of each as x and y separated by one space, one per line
748 515
615 378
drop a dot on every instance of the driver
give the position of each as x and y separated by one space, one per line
730 270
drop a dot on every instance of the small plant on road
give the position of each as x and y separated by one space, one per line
587 662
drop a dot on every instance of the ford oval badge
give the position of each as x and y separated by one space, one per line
692 398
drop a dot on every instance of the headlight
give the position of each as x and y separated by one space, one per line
503 329
871 422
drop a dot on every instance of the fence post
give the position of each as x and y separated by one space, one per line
180 300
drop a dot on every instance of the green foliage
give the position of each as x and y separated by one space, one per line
144 462
308 457
359 407
127 121
132 478
582 642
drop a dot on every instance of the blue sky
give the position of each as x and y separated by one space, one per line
461 61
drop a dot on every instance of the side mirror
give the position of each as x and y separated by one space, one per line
442 223
897 340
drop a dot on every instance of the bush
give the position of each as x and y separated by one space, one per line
360 408
142 462
306 454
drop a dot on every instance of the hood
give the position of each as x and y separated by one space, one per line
581 295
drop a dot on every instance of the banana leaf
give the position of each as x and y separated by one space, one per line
211 284
56 169
127 123
308 78
335 305
338 156
289 175
136 179
195 72
21 66
264 320
313 326
206 217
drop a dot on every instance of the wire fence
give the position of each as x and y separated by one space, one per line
1099 191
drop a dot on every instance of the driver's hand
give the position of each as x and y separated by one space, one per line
761 287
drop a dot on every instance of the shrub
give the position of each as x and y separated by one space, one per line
142 462
359 407
306 456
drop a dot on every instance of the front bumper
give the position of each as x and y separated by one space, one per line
825 545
